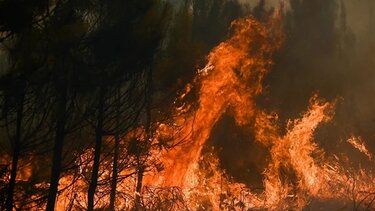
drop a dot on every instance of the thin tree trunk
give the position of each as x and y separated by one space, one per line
141 165
114 173
112 199
16 153
98 148
138 189
59 144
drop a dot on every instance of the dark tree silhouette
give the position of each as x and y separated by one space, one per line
131 38
66 32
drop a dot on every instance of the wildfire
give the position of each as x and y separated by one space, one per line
228 83
298 170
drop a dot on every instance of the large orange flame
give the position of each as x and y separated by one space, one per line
230 81
298 170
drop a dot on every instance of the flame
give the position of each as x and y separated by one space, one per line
358 143
294 151
298 170
229 82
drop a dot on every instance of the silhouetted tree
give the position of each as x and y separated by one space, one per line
20 95
123 48
66 30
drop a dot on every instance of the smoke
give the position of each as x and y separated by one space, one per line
329 50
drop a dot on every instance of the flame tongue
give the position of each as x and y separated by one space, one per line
295 151
230 80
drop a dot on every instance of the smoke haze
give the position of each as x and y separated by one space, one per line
329 50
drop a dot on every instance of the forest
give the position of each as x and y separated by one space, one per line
187 105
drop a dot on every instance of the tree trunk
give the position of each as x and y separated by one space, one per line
16 153
112 198
141 165
114 174
59 144
98 148
138 189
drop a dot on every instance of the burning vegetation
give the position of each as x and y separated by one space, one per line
96 112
